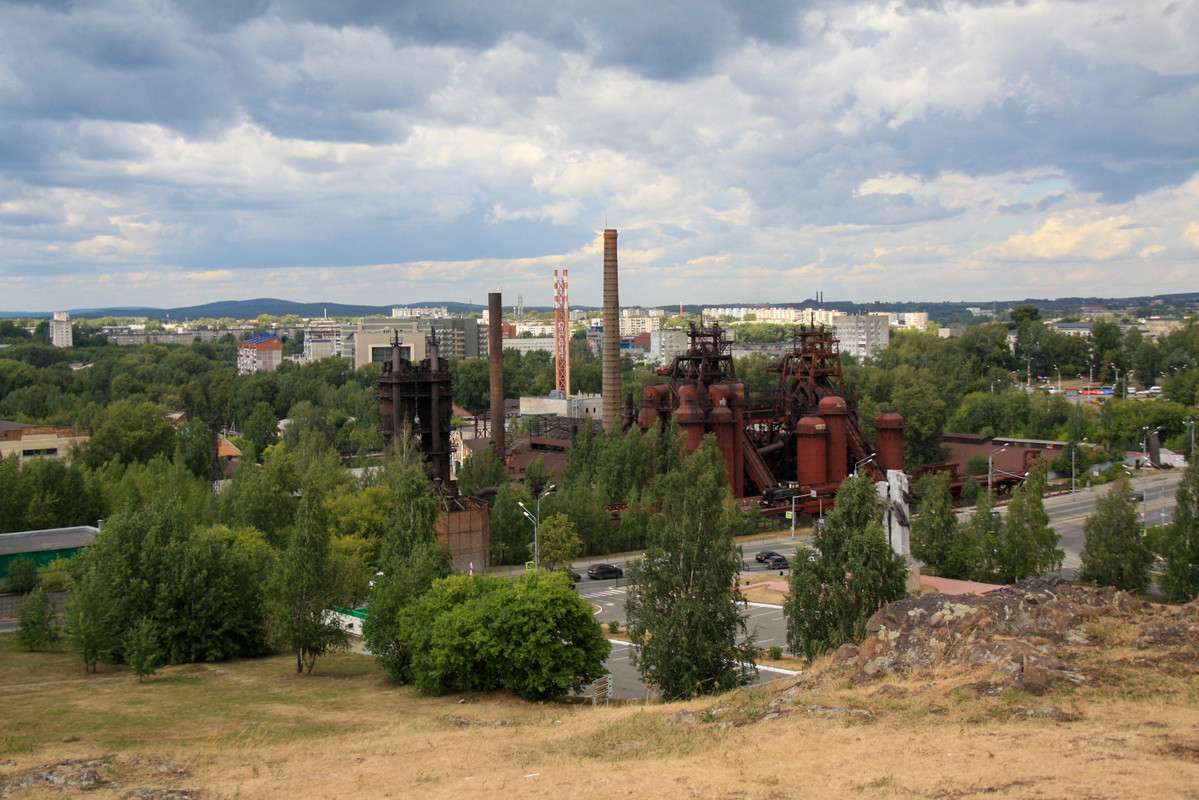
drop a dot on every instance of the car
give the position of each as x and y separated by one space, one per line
1138 497
777 562
601 571
765 554
808 552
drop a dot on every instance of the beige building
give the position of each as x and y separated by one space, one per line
38 441
371 346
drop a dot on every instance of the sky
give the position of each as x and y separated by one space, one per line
163 153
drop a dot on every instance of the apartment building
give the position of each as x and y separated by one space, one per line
60 330
862 335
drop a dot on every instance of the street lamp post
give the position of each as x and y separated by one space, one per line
1117 369
860 463
1059 378
793 516
990 468
536 520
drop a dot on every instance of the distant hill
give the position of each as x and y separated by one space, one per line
249 309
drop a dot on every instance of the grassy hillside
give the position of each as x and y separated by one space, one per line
254 729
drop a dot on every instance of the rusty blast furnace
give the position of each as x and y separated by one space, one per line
800 442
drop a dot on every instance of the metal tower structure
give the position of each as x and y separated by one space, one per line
561 335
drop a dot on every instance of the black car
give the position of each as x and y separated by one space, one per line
601 571
1138 497
764 555
776 562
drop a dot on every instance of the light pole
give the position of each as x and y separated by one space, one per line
792 516
860 463
1059 378
1190 423
990 467
1073 470
536 520
1117 369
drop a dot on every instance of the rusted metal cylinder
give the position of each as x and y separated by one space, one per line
495 348
691 417
737 402
889 428
720 420
811 451
654 401
611 352
832 411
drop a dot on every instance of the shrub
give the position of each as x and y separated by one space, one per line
775 652
614 626
22 575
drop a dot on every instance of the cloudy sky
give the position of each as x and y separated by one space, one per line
156 152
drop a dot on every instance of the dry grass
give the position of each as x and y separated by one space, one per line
763 595
254 729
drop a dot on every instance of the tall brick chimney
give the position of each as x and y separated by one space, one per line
611 354
495 349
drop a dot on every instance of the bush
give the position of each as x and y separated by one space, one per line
775 652
532 634
614 626
22 575
53 576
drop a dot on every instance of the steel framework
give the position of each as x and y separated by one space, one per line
561 335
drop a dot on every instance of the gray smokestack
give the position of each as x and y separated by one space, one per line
611 335
495 346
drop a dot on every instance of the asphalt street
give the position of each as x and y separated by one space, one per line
1067 513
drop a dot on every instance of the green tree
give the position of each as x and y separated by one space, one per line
684 614
938 539
261 428
93 628
304 587
142 650
855 573
1027 544
1025 313
36 627
1114 554
129 431
511 531
559 544
481 471
1180 579
411 559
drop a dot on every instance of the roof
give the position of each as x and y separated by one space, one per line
46 539
260 340
8 425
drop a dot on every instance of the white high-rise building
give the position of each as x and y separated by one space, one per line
60 330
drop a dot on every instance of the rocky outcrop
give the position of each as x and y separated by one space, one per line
1016 634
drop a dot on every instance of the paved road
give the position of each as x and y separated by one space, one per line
1067 514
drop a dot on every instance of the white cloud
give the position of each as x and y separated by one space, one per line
937 152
